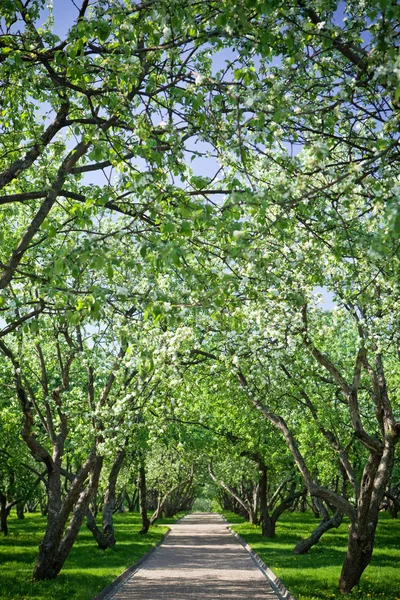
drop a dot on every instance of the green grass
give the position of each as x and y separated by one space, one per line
87 569
315 575
171 520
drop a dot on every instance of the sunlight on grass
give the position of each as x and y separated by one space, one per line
87 570
315 576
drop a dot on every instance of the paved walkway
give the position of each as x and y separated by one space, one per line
199 559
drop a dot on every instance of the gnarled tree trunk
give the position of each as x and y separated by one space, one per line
375 478
303 546
56 544
101 539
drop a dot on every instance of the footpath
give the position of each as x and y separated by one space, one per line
199 559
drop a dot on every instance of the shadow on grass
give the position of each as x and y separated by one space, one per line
315 576
232 517
87 570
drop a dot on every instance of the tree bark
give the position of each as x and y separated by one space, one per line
78 516
105 537
305 545
20 510
132 500
143 499
3 514
109 500
393 505
376 476
359 552
101 539
267 529
56 544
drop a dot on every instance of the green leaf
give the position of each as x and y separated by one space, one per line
168 227
59 266
186 228
103 30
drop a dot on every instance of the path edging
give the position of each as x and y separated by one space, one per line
110 589
275 582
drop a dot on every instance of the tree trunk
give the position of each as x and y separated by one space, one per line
105 537
54 529
20 510
359 552
94 506
376 476
132 501
254 505
101 539
31 506
3 514
267 527
394 510
109 500
143 499
119 504
78 516
43 508
55 545
393 504
268 521
252 515
305 545
315 508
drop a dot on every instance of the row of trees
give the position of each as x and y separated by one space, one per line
179 182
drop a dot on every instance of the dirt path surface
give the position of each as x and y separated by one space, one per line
199 559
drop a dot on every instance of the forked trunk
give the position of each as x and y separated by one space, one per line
105 537
268 520
376 475
101 539
78 516
56 544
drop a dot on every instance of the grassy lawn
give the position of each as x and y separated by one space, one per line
171 520
315 576
87 570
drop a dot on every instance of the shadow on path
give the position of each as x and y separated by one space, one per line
199 559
